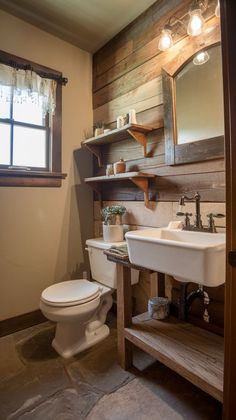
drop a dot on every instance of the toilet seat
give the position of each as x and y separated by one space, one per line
70 293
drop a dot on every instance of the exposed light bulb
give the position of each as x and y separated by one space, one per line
217 11
166 40
201 58
196 22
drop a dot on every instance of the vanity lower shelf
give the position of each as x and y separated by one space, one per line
192 352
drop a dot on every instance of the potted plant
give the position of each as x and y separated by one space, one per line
112 223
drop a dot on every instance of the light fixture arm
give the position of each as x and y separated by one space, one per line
199 4
171 23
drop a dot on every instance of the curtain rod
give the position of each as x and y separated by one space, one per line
44 74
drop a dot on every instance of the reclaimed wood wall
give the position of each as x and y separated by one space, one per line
126 75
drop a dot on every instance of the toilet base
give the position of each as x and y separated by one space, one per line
88 340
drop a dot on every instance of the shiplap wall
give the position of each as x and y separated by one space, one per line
126 75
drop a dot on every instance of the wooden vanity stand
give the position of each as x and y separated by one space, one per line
192 352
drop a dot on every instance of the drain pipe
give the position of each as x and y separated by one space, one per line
186 301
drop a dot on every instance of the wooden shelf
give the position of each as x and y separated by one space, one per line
137 132
140 179
192 352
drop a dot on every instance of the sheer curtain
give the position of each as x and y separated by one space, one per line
25 85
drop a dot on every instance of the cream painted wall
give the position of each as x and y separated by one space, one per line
42 231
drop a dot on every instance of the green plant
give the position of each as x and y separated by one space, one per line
98 124
110 211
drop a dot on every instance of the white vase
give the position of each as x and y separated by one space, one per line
113 233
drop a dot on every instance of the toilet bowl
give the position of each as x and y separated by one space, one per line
79 307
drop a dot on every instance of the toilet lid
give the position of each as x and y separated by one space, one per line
69 293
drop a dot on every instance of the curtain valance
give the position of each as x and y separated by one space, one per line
23 85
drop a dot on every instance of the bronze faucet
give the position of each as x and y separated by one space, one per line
197 226
198 221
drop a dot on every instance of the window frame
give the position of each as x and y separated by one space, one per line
52 177
14 123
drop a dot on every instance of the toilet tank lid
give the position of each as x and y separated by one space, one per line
101 244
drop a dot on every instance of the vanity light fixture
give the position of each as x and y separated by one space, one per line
201 58
196 22
195 25
166 40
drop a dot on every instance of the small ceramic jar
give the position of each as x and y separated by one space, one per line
158 307
120 122
119 167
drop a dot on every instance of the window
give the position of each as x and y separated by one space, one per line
25 134
30 123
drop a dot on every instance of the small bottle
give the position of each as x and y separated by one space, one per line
109 170
119 167
132 116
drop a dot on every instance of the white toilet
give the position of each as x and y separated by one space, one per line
79 307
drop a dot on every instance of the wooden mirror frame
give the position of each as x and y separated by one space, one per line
196 151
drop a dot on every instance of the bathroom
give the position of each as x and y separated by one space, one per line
44 230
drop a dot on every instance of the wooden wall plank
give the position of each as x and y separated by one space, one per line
150 164
103 60
152 116
138 57
148 95
126 75
143 27
217 165
152 68
130 148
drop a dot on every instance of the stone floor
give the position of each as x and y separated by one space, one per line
35 383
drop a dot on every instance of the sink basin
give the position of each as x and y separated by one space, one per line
188 256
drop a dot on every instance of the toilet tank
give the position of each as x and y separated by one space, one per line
102 270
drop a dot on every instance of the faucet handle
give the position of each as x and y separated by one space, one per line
211 223
180 213
218 215
187 217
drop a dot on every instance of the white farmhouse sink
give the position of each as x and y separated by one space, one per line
198 257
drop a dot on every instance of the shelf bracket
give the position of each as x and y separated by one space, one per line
142 183
140 138
96 151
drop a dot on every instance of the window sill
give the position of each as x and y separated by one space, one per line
19 178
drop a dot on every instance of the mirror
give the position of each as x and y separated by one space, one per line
193 109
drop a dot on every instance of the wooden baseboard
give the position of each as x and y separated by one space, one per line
20 322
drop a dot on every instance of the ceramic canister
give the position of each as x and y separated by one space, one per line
119 167
158 307
120 122
132 116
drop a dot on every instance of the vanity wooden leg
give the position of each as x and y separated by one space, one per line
124 315
157 284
